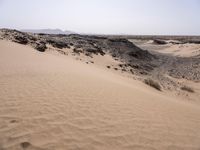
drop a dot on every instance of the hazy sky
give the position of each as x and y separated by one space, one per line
104 16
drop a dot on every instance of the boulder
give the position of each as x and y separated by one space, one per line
41 47
21 39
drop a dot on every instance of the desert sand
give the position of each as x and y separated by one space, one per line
180 50
50 102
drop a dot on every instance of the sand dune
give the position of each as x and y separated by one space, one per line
180 50
54 102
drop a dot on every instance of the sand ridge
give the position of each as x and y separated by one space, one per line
50 102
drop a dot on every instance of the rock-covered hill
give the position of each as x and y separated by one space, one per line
133 59
119 48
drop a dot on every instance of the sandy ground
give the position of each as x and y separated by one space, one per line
180 50
50 102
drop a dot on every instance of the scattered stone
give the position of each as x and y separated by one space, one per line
58 44
21 39
40 47
124 70
121 65
94 51
78 51
131 70
143 73
25 145
133 58
13 121
108 67
187 88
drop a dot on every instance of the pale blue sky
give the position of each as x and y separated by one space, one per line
180 17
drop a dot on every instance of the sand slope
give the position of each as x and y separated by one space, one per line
179 50
183 50
52 102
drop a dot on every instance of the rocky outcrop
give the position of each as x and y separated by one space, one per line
20 39
57 44
119 48
41 46
186 68
132 58
127 50
159 42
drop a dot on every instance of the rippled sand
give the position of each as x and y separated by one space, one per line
50 102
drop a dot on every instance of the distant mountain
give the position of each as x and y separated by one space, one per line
47 31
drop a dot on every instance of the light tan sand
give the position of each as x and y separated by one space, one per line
182 50
50 102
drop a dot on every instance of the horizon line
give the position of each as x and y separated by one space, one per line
104 34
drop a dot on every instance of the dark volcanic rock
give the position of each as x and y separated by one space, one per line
78 51
95 51
120 48
125 49
141 54
194 41
160 42
21 39
41 47
187 68
58 44
133 59
25 145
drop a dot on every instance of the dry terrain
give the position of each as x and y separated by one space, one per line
74 92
